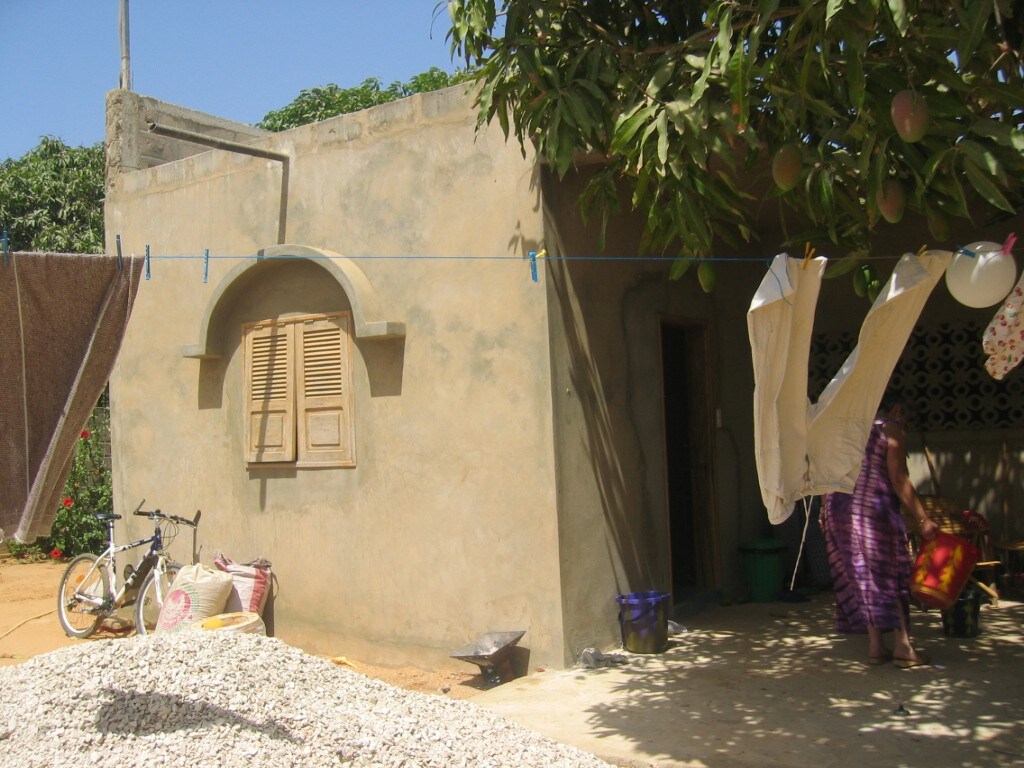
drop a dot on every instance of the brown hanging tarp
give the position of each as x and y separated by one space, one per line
62 319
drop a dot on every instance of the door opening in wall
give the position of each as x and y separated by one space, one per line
689 459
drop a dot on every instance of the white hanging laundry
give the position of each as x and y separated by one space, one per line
803 449
779 323
1003 341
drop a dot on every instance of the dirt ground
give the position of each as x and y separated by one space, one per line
29 626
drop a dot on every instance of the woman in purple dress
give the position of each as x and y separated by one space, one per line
866 541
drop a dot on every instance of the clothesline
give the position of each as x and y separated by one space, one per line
486 257
531 256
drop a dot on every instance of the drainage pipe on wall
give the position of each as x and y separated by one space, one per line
243 149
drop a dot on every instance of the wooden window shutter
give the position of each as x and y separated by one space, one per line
269 392
325 432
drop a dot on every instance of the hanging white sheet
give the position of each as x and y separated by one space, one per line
802 449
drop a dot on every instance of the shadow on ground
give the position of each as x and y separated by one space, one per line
773 684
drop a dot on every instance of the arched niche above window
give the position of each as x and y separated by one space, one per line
372 317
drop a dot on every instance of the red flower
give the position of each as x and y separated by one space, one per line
67 501
56 554
85 434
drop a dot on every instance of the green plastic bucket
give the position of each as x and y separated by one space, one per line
762 565
643 619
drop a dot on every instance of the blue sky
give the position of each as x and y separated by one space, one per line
237 59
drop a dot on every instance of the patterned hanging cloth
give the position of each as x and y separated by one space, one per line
1004 338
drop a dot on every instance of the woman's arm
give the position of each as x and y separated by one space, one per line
899 477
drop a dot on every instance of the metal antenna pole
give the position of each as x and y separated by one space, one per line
126 67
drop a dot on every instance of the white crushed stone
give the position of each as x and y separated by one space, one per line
236 699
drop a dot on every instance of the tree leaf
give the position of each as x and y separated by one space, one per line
662 74
984 186
662 123
831 9
679 268
933 164
975 17
1005 134
898 9
984 159
855 80
725 38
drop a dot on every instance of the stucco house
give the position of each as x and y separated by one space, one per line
342 354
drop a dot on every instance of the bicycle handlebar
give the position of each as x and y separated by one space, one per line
156 514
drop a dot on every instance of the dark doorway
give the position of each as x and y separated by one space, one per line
689 444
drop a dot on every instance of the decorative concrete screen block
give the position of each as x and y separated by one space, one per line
197 593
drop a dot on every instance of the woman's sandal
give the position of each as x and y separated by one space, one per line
877 661
919 660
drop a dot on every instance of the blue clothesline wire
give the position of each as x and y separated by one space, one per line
518 259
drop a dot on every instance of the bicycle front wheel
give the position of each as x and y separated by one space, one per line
151 597
83 585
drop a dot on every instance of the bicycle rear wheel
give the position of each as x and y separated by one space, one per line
82 579
151 597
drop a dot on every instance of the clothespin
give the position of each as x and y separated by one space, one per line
533 261
921 250
965 250
147 261
1011 240
5 244
206 265
808 254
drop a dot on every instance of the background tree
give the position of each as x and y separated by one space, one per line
853 111
317 104
51 199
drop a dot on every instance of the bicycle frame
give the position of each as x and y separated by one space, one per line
88 574
115 597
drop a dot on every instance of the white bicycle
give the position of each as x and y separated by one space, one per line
89 591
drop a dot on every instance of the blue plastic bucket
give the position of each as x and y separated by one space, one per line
643 619
963 619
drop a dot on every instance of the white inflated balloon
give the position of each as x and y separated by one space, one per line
981 274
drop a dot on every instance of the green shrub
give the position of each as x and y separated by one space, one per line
87 491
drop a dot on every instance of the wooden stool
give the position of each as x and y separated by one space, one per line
1011 556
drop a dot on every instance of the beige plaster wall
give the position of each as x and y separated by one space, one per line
609 412
447 526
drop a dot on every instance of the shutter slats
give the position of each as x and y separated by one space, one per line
269 376
324 396
269 393
322 362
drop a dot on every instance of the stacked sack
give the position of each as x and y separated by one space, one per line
230 598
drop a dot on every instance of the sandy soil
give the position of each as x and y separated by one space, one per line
29 626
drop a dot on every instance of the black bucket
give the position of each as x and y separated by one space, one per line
963 618
643 619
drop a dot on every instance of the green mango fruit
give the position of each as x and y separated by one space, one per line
860 281
706 276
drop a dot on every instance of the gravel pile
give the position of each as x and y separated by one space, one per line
236 699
